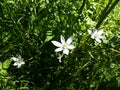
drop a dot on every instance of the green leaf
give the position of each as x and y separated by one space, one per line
0 66
6 64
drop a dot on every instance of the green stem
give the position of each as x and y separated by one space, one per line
83 4
78 71
105 9
104 15
82 68
80 11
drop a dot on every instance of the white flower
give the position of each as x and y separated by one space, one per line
97 35
18 61
64 45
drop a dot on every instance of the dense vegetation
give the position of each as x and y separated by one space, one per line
27 29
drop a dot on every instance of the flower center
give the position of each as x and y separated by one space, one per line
97 35
19 61
64 45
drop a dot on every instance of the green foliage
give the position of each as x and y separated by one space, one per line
27 28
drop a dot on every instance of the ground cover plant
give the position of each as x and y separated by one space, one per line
59 45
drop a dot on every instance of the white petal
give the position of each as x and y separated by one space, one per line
93 36
101 32
58 49
19 57
15 59
22 62
69 40
57 44
62 39
101 37
98 40
95 32
66 51
19 65
71 47
90 32
15 64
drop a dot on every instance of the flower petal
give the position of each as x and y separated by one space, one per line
57 44
19 57
66 51
98 40
15 64
62 39
15 59
101 37
93 34
71 47
101 32
19 65
69 40
22 62
58 49
90 32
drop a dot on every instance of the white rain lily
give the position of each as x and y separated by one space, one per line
18 61
64 45
97 35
